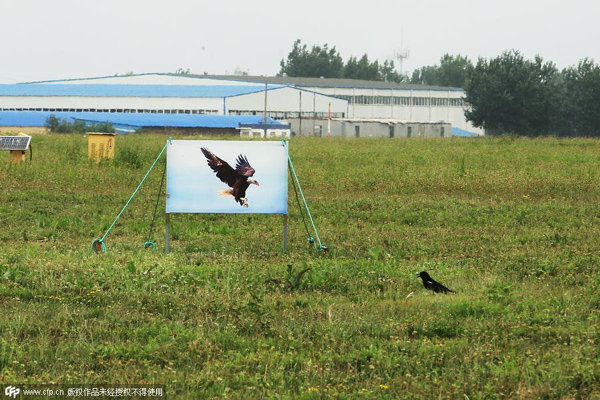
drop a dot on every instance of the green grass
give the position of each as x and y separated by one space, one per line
512 224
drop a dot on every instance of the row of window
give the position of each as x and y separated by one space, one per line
288 114
113 110
403 101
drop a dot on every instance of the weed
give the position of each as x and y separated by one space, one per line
292 281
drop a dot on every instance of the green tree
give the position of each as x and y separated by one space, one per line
316 62
453 71
581 106
388 73
181 71
511 94
362 69
58 125
327 62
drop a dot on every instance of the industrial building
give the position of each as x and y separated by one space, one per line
374 128
131 122
384 100
211 97
304 102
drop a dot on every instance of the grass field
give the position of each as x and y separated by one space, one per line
512 224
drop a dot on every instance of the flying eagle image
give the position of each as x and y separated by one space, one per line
238 179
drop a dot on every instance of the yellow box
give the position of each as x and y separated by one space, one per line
17 156
101 145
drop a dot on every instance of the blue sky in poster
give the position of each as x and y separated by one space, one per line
193 187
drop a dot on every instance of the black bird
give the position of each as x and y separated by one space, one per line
431 284
238 179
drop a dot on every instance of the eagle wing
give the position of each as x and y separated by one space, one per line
243 167
223 170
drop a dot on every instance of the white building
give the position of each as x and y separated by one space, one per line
165 94
287 98
386 100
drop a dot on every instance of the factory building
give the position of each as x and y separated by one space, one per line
301 101
158 94
384 100
13 121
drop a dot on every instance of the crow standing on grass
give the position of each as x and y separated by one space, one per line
431 284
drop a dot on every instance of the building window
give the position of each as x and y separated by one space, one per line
457 102
356 130
421 101
383 100
442 131
391 131
401 100
409 131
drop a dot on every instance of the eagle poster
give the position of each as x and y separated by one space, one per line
212 176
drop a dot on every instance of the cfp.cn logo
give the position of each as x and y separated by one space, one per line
12 391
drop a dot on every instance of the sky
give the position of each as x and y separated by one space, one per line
62 39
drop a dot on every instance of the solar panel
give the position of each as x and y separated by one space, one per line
14 142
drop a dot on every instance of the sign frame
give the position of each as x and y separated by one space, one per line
283 143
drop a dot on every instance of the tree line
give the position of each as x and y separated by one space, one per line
322 61
505 94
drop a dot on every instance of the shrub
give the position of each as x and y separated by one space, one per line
57 125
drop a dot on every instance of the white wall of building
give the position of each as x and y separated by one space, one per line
286 100
417 105
111 103
280 101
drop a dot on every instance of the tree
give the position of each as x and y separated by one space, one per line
453 71
388 72
319 61
326 62
511 94
362 69
581 106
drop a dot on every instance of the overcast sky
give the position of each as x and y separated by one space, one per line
82 38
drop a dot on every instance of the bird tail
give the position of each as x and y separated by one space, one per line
226 192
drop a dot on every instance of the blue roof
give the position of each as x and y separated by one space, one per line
134 120
119 90
463 133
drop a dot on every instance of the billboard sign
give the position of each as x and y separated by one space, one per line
213 176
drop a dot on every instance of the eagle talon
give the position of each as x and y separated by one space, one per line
244 202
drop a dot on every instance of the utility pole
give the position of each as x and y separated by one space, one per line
300 114
329 123
314 113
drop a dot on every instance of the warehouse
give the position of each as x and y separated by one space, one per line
385 100
304 99
132 122
188 96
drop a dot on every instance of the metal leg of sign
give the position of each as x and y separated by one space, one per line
285 224
167 232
